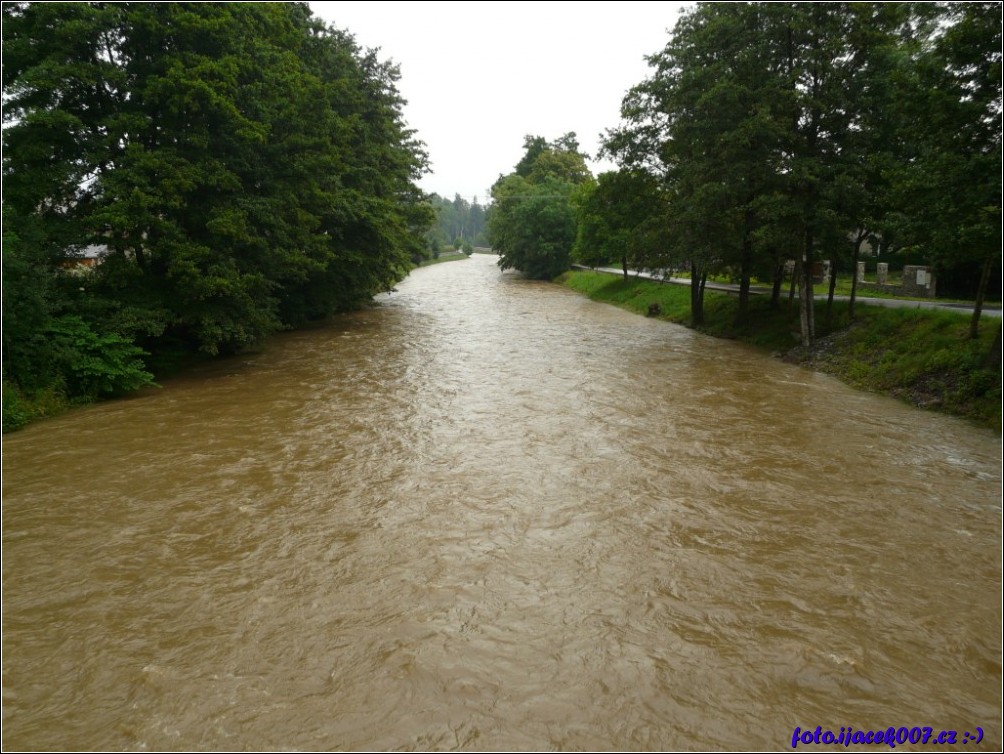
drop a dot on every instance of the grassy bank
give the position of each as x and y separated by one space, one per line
21 407
446 256
920 356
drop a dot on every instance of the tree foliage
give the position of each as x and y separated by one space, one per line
953 129
246 166
798 130
622 218
457 222
532 221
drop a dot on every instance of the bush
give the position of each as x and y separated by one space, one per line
97 365
20 408
16 411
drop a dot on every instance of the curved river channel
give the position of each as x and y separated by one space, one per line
490 513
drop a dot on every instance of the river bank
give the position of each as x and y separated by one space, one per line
446 256
21 408
921 357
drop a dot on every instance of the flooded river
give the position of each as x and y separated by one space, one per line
490 513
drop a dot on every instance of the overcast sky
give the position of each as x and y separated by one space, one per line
479 76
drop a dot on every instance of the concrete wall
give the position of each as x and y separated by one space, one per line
918 281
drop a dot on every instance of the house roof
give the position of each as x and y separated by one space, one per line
94 251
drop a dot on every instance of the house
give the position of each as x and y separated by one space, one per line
88 258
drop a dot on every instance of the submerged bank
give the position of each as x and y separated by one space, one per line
922 357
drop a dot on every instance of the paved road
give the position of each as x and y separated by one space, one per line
891 303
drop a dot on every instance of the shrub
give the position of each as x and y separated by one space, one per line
97 365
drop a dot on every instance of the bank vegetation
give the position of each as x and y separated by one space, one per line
772 136
186 178
921 356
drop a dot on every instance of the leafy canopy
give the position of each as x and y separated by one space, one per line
245 167
532 221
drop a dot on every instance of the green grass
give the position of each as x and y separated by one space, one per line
922 356
843 288
634 294
765 327
444 257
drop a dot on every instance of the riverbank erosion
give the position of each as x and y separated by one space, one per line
919 356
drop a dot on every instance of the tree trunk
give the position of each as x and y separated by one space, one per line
700 293
775 294
854 272
745 262
833 287
696 296
974 323
624 266
796 274
806 313
745 266
994 356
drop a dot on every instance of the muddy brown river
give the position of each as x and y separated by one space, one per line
492 514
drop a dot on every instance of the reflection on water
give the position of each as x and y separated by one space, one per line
492 514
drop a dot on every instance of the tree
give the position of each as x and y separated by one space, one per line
621 217
949 191
532 223
773 128
709 122
247 167
884 43
457 220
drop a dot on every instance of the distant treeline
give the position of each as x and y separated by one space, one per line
234 168
457 222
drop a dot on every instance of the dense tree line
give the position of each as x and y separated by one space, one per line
621 218
774 131
459 223
243 168
770 132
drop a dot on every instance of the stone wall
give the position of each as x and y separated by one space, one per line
918 281
864 288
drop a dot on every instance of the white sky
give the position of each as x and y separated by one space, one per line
479 76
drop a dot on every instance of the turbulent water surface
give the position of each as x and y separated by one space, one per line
492 514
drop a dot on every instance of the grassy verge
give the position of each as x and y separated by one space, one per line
843 288
920 356
445 257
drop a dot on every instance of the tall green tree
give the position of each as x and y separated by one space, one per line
246 166
822 77
532 225
532 222
709 121
949 190
621 218
780 129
